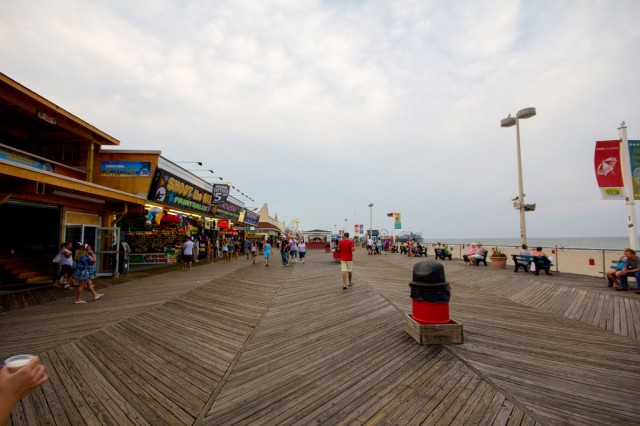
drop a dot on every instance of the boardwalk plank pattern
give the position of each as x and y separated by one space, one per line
244 344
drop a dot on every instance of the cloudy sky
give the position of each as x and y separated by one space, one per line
319 108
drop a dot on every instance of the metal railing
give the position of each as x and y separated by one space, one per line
583 261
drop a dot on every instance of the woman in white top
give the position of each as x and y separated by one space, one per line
302 250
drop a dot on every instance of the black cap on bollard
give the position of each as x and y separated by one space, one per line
429 283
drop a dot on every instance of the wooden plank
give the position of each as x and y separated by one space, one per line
288 345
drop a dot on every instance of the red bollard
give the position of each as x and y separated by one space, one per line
430 293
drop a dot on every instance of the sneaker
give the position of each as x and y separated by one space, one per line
344 288
98 296
79 302
350 284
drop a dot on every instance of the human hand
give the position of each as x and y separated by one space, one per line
16 384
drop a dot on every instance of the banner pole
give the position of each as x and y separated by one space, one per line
393 225
628 186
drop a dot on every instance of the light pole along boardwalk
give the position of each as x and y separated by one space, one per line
243 344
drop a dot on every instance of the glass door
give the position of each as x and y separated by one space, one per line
106 248
104 241
73 233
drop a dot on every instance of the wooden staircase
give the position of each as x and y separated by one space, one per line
25 269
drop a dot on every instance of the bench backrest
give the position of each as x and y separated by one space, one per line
522 258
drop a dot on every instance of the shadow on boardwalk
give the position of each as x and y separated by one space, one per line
239 343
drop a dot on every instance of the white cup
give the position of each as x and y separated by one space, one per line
16 362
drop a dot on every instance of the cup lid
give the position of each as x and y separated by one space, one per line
15 358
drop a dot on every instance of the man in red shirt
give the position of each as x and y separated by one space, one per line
346 249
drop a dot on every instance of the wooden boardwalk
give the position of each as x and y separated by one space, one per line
244 344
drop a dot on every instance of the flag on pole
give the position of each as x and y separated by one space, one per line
634 158
608 169
390 214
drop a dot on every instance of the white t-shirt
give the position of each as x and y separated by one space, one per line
64 260
187 248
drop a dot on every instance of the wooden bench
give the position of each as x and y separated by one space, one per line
422 252
483 260
522 261
543 263
467 259
440 254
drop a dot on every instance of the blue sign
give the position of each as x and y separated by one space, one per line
125 168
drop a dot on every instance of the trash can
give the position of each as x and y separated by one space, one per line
123 260
430 293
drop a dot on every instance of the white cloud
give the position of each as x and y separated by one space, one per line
393 103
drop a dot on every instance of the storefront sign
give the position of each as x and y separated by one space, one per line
125 168
25 160
176 192
227 210
220 193
251 218
152 258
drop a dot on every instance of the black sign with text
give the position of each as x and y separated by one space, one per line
175 192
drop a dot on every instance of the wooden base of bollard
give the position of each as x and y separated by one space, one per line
434 334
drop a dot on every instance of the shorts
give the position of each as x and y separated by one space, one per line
346 266
187 258
302 254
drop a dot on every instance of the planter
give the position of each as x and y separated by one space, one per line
498 262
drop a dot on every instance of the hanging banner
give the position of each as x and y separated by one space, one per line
608 170
361 228
634 157
356 227
397 223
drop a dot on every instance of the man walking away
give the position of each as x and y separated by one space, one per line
284 250
346 249
187 253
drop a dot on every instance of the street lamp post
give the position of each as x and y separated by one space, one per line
370 220
508 122
345 227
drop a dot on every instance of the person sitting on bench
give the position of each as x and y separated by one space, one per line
539 253
612 279
631 268
479 254
472 251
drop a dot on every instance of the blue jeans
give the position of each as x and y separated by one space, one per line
284 258
625 284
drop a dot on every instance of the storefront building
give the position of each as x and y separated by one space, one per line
61 179
51 189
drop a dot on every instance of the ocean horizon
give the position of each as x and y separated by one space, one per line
612 243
